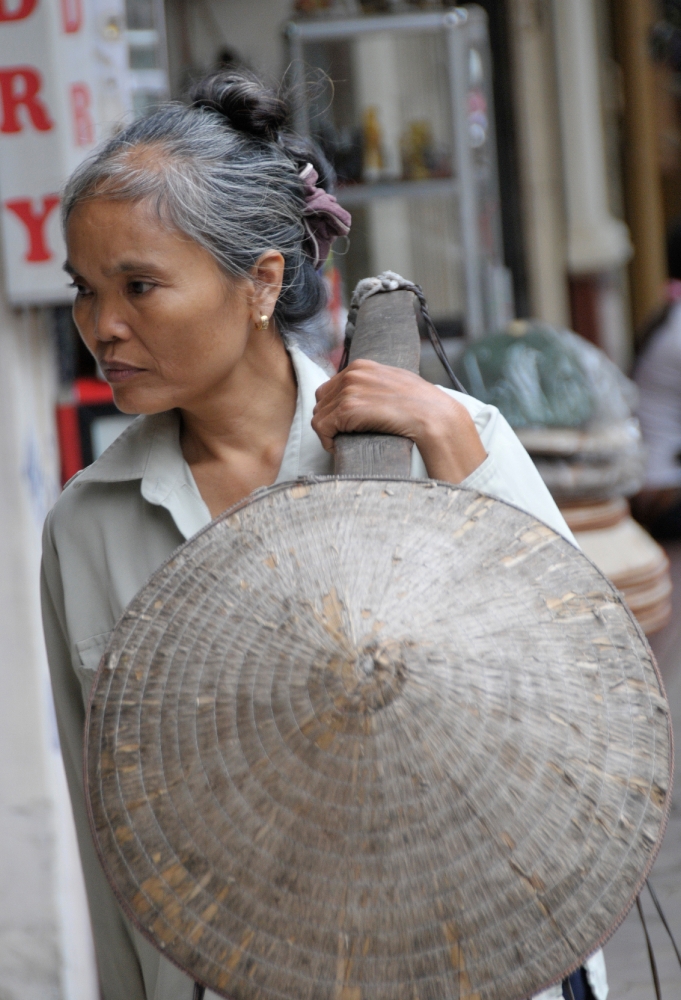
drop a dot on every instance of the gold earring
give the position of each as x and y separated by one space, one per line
264 322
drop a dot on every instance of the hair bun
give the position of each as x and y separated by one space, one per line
247 104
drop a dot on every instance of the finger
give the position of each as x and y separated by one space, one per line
326 388
339 391
325 438
348 376
340 414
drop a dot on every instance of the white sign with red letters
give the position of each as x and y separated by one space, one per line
62 81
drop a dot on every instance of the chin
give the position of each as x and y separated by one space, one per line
134 402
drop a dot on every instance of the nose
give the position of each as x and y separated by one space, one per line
109 320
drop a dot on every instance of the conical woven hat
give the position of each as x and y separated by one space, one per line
377 740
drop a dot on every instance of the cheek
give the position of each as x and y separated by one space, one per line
191 353
207 338
80 314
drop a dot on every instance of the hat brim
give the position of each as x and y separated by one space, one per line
377 740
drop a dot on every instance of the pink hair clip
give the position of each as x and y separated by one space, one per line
324 219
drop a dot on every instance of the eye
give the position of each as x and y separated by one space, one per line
140 287
81 289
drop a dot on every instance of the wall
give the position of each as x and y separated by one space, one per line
199 29
45 946
536 106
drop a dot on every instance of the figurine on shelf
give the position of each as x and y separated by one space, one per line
372 165
421 158
417 151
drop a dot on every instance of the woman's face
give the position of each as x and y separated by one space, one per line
166 325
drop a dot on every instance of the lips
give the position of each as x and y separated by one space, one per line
119 371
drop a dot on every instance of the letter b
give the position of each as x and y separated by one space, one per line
83 125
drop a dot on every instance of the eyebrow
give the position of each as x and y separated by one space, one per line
125 267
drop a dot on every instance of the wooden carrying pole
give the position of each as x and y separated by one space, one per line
386 332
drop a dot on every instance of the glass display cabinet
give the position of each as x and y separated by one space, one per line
402 106
147 54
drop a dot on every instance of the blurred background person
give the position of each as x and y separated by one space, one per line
657 373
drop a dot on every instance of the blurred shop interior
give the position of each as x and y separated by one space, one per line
521 161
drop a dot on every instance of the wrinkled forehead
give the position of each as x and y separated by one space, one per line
109 235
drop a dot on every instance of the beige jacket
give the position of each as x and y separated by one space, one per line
113 525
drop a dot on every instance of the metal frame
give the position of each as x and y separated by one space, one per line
351 26
152 81
461 25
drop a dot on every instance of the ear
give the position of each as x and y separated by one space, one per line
267 275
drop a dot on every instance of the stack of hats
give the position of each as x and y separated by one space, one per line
573 410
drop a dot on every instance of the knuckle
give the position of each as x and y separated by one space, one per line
344 407
354 379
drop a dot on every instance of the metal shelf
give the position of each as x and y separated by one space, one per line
334 29
467 229
351 195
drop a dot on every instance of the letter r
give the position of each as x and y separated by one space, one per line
20 85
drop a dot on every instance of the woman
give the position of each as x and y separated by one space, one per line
194 241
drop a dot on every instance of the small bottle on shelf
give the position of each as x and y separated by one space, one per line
372 162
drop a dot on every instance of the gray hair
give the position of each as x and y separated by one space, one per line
225 172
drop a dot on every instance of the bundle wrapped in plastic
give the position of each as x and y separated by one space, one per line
539 376
570 405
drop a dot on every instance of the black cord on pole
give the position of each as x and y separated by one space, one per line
651 956
668 929
394 282
434 338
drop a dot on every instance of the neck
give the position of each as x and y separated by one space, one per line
243 423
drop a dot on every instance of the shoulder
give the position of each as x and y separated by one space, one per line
123 462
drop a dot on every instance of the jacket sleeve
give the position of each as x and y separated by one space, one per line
508 472
118 965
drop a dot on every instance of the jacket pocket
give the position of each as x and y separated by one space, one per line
90 652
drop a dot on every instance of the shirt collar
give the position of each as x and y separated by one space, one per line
304 451
149 450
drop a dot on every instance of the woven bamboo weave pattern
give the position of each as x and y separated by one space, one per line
374 740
